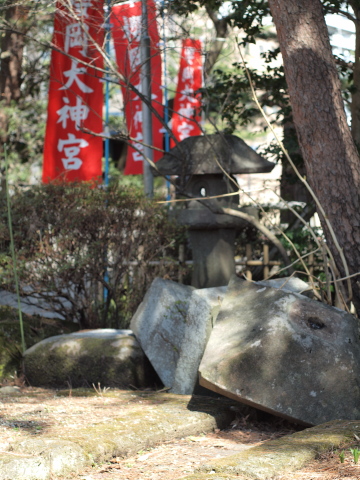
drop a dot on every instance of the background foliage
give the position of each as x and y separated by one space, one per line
70 237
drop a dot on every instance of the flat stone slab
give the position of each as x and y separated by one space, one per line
110 357
10 390
166 417
284 353
31 305
174 417
281 456
41 458
172 325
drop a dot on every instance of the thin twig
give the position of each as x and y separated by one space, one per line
253 221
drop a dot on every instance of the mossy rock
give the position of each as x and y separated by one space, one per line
111 358
36 328
283 455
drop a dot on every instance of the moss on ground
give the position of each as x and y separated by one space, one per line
285 454
157 397
144 428
173 416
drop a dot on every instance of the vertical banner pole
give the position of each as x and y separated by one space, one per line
166 99
107 130
146 91
107 96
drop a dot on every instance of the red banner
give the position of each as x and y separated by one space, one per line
75 94
186 117
126 32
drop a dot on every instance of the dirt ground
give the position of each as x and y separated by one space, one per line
174 460
35 412
329 467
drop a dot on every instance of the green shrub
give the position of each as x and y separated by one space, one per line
74 240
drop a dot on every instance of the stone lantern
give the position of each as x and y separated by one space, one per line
203 165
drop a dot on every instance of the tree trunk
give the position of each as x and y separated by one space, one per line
11 47
222 32
331 158
355 97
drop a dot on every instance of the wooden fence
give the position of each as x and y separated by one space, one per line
265 262
312 262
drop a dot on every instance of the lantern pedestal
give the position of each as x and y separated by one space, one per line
205 166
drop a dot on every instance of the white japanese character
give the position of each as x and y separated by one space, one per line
187 74
76 36
189 54
76 113
186 95
137 156
73 76
134 58
186 111
138 118
132 28
184 130
139 88
71 162
81 7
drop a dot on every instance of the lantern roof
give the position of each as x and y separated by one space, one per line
206 154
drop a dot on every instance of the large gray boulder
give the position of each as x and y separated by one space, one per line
204 306
110 357
173 324
284 353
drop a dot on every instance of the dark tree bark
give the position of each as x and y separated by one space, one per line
330 155
355 97
11 48
222 32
